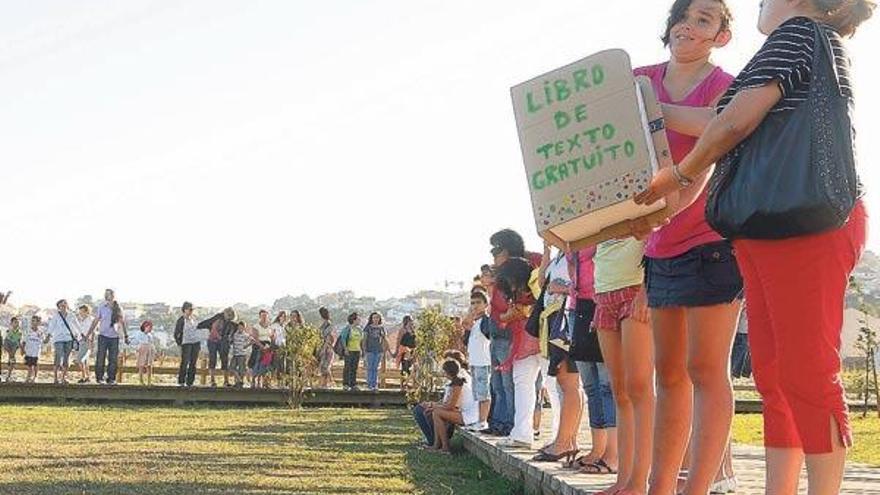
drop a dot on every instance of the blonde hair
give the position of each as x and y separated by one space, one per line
845 16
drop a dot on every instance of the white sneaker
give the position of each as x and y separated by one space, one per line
474 427
724 486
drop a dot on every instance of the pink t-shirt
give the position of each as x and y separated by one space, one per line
581 275
688 229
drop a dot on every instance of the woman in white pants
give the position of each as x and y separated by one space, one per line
513 280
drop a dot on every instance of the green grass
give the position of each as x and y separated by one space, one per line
49 449
748 429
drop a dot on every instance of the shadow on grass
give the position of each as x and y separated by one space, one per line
458 474
161 488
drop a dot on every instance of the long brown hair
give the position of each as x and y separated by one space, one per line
844 16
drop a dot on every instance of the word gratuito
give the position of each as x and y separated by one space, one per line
595 147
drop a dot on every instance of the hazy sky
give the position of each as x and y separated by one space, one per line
225 151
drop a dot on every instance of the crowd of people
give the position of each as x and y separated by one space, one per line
638 332
243 353
644 326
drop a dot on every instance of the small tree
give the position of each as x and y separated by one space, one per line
301 358
866 343
434 334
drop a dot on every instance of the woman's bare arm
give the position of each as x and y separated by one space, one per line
738 120
690 121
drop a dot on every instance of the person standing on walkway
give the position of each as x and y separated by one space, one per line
795 281
220 328
32 347
561 379
262 334
12 345
691 274
586 352
479 356
374 347
513 281
190 345
144 345
406 346
64 338
84 322
109 321
241 341
351 337
326 354
622 321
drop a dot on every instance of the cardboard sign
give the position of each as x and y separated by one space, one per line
592 137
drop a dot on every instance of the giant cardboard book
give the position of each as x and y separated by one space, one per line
592 137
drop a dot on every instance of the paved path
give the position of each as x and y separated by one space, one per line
550 478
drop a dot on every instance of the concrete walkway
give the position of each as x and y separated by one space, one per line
550 478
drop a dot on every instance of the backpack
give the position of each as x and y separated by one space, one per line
339 347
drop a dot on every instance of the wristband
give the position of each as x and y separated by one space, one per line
682 179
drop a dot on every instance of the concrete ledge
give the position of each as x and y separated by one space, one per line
42 392
535 478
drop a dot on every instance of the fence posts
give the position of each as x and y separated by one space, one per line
120 367
203 370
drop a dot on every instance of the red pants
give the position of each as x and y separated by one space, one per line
795 290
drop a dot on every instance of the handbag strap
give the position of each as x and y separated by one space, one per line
67 325
823 45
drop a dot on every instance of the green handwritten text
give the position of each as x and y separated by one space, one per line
559 90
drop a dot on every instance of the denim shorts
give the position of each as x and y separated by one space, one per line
704 276
219 348
480 375
62 353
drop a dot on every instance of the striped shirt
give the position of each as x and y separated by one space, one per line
787 59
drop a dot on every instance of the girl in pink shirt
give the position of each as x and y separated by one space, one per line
692 280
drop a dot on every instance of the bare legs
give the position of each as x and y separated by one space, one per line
710 338
571 410
441 418
629 358
696 372
824 471
674 398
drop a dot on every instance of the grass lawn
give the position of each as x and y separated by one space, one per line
60 449
748 429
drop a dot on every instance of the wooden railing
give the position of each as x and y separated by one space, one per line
388 376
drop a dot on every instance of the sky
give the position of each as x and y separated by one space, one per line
232 151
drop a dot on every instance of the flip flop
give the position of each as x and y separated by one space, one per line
580 462
598 467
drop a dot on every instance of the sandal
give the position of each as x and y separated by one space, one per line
580 462
598 467
546 456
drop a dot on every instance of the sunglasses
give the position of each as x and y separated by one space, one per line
496 251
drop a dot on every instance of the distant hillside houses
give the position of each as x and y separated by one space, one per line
340 304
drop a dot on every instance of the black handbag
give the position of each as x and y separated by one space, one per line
796 174
533 324
584 339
